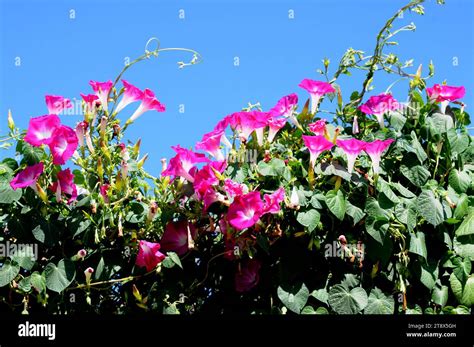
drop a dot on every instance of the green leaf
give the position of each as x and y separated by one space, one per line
61 276
417 174
402 190
462 207
385 189
467 226
462 268
175 258
274 167
440 123
332 169
44 232
459 180
397 120
464 294
419 151
38 281
25 256
31 155
345 301
459 142
355 212
464 246
8 272
429 275
25 284
295 298
336 203
321 295
417 244
7 194
440 295
379 303
309 219
430 208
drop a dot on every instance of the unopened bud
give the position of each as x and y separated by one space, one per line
100 168
88 273
116 129
136 148
142 161
11 123
164 165
153 208
103 125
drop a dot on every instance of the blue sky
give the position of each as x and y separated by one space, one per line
59 55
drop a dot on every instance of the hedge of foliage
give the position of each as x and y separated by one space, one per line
275 211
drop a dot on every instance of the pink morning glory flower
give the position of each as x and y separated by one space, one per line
352 148
27 177
210 197
64 185
91 101
316 90
245 210
41 128
274 124
248 276
63 144
211 143
149 255
318 127
206 177
445 94
130 94
316 145
247 122
378 105
181 164
176 237
81 129
271 203
56 104
149 102
102 90
374 150
285 107
233 188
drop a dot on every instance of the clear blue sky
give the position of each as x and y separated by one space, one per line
59 55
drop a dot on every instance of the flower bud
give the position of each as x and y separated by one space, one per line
142 161
153 208
124 169
136 148
164 165
81 253
81 129
11 123
294 199
88 273
116 130
100 168
355 126
103 125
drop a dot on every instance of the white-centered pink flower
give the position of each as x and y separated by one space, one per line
63 144
374 150
27 177
316 89
64 185
274 125
56 104
316 145
318 127
102 90
271 202
130 94
286 107
245 210
149 102
445 94
378 105
182 164
211 143
40 129
245 123
352 148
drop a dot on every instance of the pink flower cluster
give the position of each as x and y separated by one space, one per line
62 142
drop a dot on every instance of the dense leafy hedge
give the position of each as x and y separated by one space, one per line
371 213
